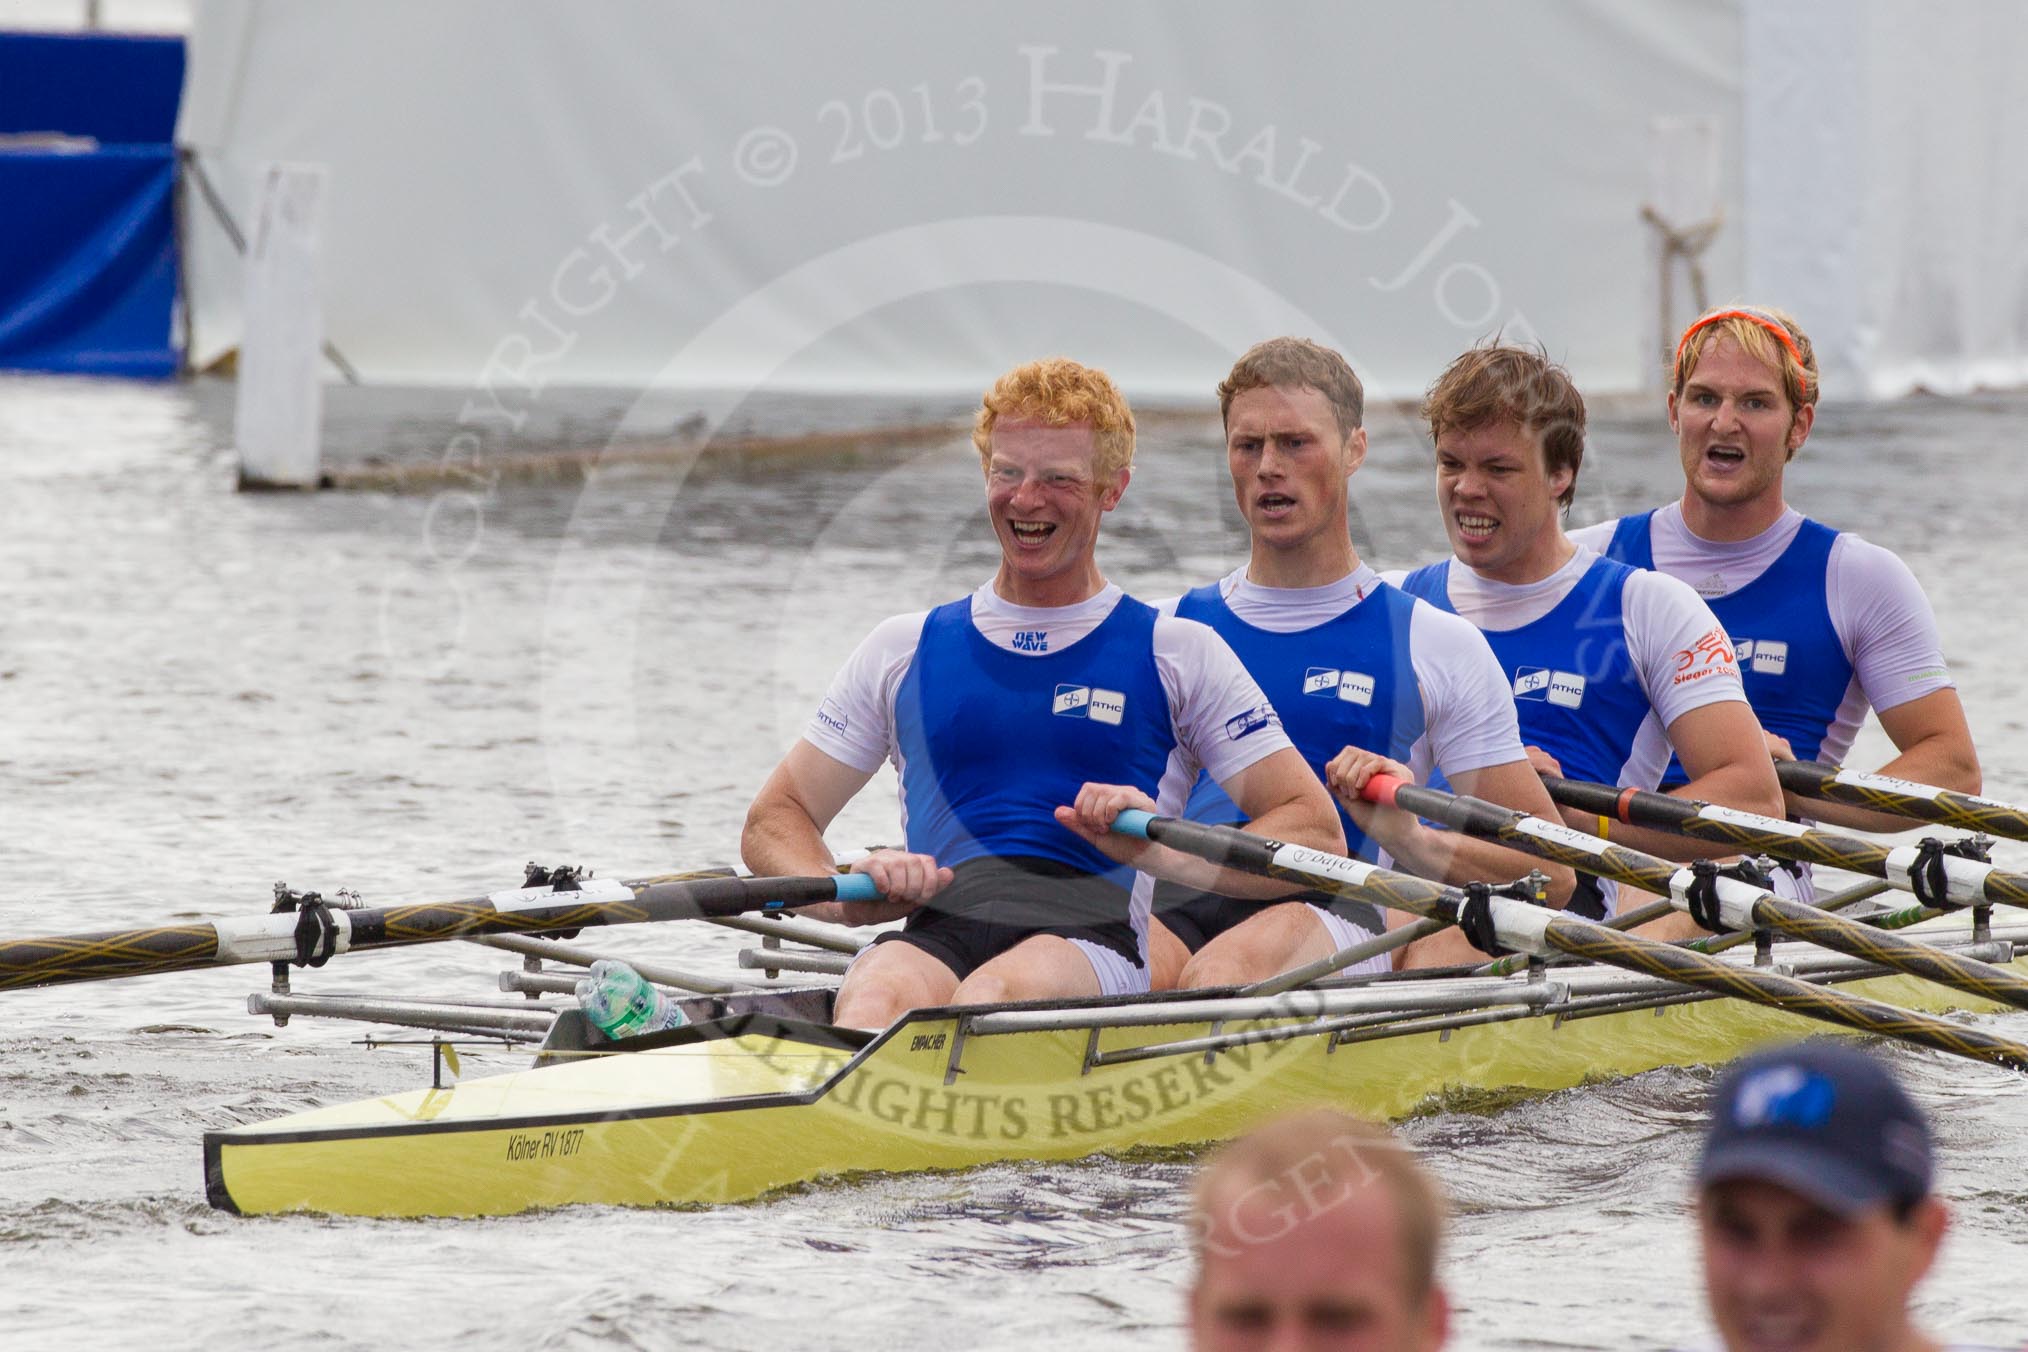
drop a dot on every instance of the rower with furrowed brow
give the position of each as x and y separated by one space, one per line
1367 680
1825 623
1022 720
1611 668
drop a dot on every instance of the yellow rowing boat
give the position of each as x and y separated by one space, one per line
734 1107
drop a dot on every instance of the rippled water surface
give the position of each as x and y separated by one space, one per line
413 695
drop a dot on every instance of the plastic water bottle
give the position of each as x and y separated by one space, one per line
620 1003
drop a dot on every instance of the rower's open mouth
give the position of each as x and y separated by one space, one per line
1725 455
1032 532
1789 1328
1275 504
1472 526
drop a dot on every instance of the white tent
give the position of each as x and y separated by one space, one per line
912 196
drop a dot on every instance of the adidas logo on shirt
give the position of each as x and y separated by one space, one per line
1558 687
1768 656
1084 701
1354 687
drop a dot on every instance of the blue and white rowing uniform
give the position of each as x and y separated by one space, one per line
993 715
1825 624
1601 660
1355 662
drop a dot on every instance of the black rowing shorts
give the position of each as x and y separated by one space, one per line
1199 917
993 904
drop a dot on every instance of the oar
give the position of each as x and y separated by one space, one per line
1928 870
1538 929
314 934
1719 943
1903 798
1739 905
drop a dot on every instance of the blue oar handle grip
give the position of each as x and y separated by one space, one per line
857 887
1132 821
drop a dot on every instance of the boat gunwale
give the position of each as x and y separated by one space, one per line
252 1134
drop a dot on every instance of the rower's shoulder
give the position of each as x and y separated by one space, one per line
1598 536
1433 631
1865 575
1653 587
1849 549
907 625
1178 633
893 639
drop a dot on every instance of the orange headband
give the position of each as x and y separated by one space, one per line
1760 317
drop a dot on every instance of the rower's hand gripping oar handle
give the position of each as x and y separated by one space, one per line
1381 789
1474 816
857 887
1225 846
1133 821
1500 919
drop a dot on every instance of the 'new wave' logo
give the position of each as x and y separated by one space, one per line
1084 701
1031 640
1354 687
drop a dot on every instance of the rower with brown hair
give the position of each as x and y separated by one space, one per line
1826 624
1611 668
1366 679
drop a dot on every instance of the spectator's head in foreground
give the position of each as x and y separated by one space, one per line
1316 1231
1813 1203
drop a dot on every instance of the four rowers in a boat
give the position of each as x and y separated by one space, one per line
1571 663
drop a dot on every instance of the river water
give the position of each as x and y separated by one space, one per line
412 695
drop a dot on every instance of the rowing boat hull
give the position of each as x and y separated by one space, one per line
765 1105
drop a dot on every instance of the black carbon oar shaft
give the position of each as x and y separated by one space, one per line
1581 938
1761 835
1637 869
1923 802
61 959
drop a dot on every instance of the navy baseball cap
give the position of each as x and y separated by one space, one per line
1825 1121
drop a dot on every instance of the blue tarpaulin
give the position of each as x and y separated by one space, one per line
87 231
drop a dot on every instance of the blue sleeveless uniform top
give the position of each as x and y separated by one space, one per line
1577 692
1795 669
1347 681
992 741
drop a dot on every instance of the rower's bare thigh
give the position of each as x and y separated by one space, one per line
1167 956
1040 967
889 978
1272 940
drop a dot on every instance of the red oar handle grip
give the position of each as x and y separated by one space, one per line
1381 789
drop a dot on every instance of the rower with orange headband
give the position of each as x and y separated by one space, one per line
1824 623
